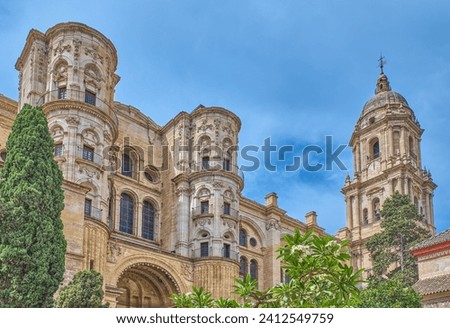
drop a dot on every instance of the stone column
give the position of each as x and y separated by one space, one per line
217 244
272 270
391 142
356 212
427 205
182 219
117 218
71 146
431 209
363 154
419 155
138 219
402 142
348 201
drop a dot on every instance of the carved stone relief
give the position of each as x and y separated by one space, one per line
113 252
187 271
72 120
89 172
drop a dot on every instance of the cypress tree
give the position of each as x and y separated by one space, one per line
32 244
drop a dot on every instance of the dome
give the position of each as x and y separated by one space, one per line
383 96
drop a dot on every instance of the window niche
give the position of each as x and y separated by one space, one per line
374 149
376 209
60 79
148 220
242 238
365 216
126 215
92 83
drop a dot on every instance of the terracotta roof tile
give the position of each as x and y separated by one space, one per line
433 285
437 239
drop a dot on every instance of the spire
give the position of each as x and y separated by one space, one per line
383 82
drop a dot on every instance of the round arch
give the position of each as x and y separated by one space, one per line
247 225
146 282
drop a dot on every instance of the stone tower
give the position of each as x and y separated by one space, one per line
207 188
386 159
70 72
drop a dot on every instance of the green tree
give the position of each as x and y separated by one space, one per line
389 293
32 244
319 277
402 227
84 291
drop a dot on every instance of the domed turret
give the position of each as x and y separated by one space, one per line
386 159
383 96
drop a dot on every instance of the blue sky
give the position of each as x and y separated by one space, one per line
294 71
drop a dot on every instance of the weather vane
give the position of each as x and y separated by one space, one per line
382 62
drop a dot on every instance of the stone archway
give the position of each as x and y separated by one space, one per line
146 285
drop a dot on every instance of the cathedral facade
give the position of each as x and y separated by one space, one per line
386 159
155 209
158 209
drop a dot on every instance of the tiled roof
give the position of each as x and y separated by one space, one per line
433 285
437 239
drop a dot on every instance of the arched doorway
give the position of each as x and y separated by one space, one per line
146 285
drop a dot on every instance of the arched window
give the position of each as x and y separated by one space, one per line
227 161
126 213
376 209
127 165
365 216
242 237
243 270
148 221
254 269
396 142
205 162
375 148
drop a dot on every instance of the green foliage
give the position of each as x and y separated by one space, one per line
84 291
389 248
319 275
32 244
390 293
200 298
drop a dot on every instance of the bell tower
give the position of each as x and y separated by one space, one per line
386 159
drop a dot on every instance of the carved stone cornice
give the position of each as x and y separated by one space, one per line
110 118
9 105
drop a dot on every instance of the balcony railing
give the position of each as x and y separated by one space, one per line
230 212
90 157
232 255
93 213
216 165
80 96
202 210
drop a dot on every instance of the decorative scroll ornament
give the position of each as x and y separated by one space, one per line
273 224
